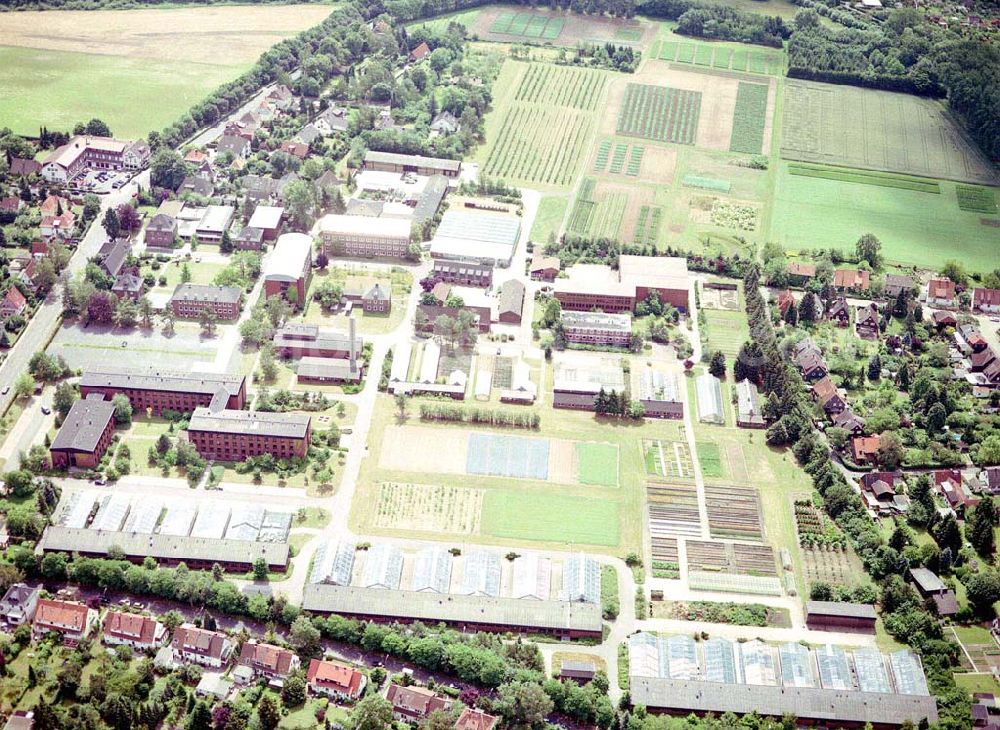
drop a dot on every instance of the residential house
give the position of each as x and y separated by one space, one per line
799 274
84 435
10 206
813 367
943 319
420 52
161 231
986 300
54 205
132 629
878 490
191 644
280 97
196 185
268 661
69 619
857 280
848 420
237 146
979 361
866 322
931 588
969 339
413 704
895 283
308 134
18 605
24 167
864 449
989 479
20 720
335 680
839 313
13 303
949 483
113 254
375 298
544 268
941 293
58 226
474 719
128 284
268 219
332 119
250 239
445 123
827 395
196 157
786 300
295 149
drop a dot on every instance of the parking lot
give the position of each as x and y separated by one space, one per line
101 182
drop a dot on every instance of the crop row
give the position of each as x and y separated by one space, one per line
539 145
563 86
660 113
749 117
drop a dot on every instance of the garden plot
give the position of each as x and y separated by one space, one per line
405 448
527 26
610 210
734 512
667 459
673 511
426 508
537 516
665 557
732 214
980 650
826 555
718 298
728 557
723 57
726 330
877 130
660 113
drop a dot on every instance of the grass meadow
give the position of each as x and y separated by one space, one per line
138 70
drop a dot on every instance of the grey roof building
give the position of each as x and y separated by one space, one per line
256 423
84 425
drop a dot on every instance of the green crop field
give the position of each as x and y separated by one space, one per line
749 118
876 130
546 517
598 463
977 199
546 119
527 25
710 459
868 177
915 227
660 113
647 226
728 57
56 89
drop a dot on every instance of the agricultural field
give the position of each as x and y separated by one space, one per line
722 56
540 26
612 210
877 130
541 128
61 67
429 508
668 459
659 113
734 512
749 118
673 512
540 516
915 227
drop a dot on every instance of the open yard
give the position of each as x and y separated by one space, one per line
543 119
138 70
877 130
915 227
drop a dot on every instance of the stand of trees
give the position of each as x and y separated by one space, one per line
488 416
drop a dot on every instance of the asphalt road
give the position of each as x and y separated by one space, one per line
42 326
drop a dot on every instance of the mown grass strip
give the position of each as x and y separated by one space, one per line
866 177
976 199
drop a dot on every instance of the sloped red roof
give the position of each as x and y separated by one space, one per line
334 675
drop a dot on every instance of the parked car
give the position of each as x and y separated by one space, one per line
46 410
5 391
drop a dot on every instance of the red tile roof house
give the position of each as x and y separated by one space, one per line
949 483
131 629
207 648
878 489
68 619
85 434
799 274
295 149
11 206
985 300
941 293
412 704
944 319
335 680
851 279
825 393
785 300
20 166
864 449
13 303
53 205
472 719
866 322
419 52
59 226
268 660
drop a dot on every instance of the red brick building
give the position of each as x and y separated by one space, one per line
85 434
190 300
228 435
462 273
159 390
837 616
594 286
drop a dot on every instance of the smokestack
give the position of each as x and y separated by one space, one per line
351 345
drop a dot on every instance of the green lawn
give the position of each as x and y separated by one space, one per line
598 463
978 683
727 331
546 517
710 459
973 634
915 227
56 89
548 219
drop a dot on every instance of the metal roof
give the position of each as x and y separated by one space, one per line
806 703
836 608
392 158
482 573
165 547
497 611
432 570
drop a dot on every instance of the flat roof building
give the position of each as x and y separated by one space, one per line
392 162
288 267
190 300
476 237
267 219
595 286
364 236
597 328
214 223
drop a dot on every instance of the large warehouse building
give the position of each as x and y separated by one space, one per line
595 286
825 686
